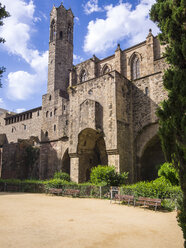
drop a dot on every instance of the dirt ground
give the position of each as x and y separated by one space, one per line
42 221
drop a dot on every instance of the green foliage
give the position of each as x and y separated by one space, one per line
181 217
168 171
107 175
160 188
170 16
62 175
58 183
3 14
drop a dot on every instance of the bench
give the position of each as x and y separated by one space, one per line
12 188
55 191
71 192
149 202
124 198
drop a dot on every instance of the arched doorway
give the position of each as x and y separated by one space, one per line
151 158
66 163
91 151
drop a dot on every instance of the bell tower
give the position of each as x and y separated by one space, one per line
60 48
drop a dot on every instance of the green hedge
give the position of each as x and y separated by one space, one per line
158 188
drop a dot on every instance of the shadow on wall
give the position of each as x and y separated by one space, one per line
50 160
28 159
147 145
20 160
91 151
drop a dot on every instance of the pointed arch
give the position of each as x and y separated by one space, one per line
69 33
134 63
83 76
106 68
65 167
52 30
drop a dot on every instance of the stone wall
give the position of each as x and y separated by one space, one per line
148 92
22 126
55 116
51 158
20 160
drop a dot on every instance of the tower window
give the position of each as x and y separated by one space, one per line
54 128
52 30
146 91
69 33
135 67
50 98
47 114
50 114
46 134
55 111
61 35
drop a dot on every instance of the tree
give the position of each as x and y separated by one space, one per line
170 16
3 14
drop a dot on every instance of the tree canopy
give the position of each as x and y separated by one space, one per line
170 17
3 14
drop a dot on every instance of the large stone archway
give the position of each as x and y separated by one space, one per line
149 153
66 163
150 160
91 151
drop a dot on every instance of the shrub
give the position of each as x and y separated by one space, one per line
159 188
106 175
62 175
58 183
168 171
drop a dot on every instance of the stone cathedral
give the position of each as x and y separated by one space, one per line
101 111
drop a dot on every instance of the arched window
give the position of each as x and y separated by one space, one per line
55 111
60 35
52 30
83 76
50 98
135 67
106 69
146 91
50 114
47 114
46 134
69 33
54 128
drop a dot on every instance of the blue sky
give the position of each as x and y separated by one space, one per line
99 26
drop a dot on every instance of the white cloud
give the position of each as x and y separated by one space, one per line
20 110
2 104
76 19
121 22
77 58
91 6
17 32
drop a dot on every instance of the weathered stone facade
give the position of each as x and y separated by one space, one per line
96 112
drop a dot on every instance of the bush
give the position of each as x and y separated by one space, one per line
106 175
168 171
62 175
159 188
57 183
